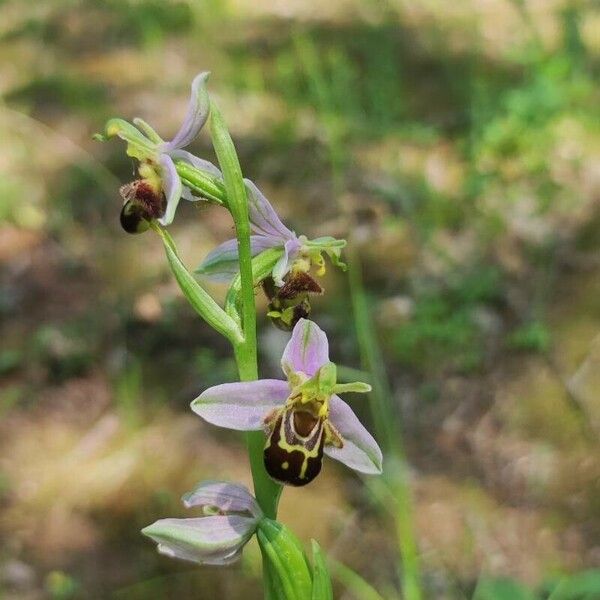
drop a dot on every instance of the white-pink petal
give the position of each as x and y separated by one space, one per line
284 264
222 263
360 451
243 405
211 540
227 497
263 218
307 351
197 113
172 187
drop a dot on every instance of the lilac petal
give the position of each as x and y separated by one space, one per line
186 194
206 540
263 218
283 265
196 116
199 163
227 497
360 451
221 560
172 187
307 351
243 405
221 264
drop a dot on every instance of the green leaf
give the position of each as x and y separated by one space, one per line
353 582
502 589
279 578
322 589
286 558
200 300
581 586
271 583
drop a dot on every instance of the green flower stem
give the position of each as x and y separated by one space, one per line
267 492
353 582
204 184
262 265
238 206
370 352
371 357
387 429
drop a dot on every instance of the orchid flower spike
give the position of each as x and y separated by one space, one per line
289 283
302 417
157 194
230 518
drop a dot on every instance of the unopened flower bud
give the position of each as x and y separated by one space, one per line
230 516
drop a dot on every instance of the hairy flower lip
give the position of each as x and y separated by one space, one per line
245 405
142 203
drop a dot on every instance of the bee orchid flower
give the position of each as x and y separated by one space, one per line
156 156
297 253
303 417
289 283
230 517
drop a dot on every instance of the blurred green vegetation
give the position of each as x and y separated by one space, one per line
456 144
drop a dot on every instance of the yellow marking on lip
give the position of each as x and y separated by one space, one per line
314 453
